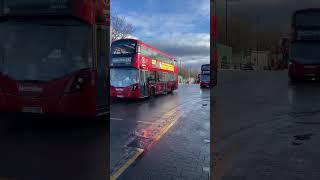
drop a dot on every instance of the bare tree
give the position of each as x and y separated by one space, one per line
120 28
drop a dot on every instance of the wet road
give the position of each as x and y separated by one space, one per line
38 149
174 130
265 127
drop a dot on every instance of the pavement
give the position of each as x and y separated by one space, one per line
170 135
265 127
262 127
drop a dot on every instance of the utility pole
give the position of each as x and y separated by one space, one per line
226 22
257 36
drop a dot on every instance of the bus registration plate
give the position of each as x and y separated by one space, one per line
37 110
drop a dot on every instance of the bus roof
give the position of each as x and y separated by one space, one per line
148 46
90 11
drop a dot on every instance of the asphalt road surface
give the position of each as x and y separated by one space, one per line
172 131
265 127
52 149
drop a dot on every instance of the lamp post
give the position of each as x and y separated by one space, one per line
226 40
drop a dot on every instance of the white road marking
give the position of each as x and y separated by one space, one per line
116 119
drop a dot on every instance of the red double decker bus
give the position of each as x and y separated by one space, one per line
205 76
304 58
54 57
138 70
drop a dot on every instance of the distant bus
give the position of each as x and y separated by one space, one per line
138 70
205 76
54 57
304 60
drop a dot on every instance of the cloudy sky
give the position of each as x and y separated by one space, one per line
271 12
178 27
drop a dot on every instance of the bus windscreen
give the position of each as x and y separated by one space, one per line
305 52
123 47
307 19
47 49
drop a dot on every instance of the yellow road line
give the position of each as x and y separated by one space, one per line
127 164
166 129
140 151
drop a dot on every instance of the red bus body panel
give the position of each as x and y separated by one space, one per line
204 84
126 92
296 70
50 96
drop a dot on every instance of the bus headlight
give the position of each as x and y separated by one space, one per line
78 83
134 87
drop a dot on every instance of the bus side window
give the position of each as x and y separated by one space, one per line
160 78
157 76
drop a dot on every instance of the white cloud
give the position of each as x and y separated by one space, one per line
177 33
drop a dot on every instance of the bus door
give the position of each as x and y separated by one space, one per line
165 78
143 83
101 36
160 82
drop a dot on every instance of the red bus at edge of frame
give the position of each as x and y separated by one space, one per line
64 70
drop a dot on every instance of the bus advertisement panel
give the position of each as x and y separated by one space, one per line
305 46
138 70
54 57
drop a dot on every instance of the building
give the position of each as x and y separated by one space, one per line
225 56
259 60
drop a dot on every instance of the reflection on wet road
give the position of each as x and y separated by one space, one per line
265 127
168 119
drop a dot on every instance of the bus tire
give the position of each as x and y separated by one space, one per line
172 89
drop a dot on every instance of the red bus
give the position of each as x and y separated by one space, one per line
54 57
304 60
138 70
205 76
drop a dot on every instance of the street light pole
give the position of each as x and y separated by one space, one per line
226 22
